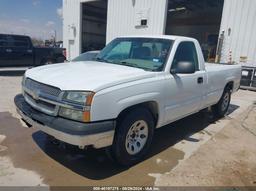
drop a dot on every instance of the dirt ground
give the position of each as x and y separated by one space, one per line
195 151
227 159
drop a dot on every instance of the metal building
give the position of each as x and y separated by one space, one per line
224 28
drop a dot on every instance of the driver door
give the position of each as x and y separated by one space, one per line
184 91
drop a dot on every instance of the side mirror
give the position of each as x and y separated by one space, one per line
184 68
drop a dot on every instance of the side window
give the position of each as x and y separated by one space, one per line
186 52
10 41
3 41
21 42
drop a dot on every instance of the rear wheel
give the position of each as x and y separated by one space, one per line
133 137
47 61
221 108
61 59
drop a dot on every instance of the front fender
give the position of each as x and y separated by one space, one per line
110 104
137 99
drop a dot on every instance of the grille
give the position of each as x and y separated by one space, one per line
40 103
36 86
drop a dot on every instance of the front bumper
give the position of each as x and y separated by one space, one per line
99 134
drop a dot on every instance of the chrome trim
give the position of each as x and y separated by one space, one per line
65 104
34 105
58 102
38 86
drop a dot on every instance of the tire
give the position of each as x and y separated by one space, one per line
48 61
221 108
133 137
60 59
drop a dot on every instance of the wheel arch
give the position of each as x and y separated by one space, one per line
230 86
151 106
44 60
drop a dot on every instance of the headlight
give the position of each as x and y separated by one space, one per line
72 114
83 98
80 98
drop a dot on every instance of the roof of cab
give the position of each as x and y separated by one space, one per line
18 35
169 37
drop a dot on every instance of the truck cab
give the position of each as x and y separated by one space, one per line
15 51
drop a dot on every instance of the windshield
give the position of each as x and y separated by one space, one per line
88 56
145 53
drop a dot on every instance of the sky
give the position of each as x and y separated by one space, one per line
36 18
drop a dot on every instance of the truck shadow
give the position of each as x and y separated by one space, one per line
95 165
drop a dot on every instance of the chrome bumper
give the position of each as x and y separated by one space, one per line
98 135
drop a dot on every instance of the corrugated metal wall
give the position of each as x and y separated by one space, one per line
71 27
238 24
123 17
239 27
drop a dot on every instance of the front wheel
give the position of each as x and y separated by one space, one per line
133 137
221 108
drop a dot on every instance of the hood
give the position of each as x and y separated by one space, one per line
86 76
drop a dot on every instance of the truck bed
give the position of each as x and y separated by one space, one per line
215 66
223 73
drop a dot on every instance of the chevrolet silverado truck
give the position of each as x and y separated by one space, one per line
135 85
18 51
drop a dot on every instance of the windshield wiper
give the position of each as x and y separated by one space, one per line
131 65
101 60
128 64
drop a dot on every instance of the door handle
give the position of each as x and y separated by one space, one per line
29 51
8 50
200 80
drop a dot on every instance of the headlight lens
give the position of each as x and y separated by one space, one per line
81 98
84 98
72 114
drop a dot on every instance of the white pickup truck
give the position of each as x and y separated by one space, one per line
135 85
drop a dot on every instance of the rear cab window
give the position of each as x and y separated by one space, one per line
20 42
13 41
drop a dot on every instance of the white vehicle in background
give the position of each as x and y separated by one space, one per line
136 84
87 56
